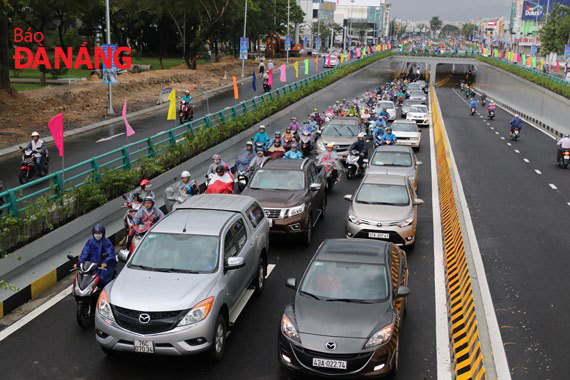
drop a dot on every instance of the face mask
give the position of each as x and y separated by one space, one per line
98 236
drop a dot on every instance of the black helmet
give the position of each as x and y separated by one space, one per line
220 168
98 229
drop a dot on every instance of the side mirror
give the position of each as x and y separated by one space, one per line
123 255
315 186
418 163
403 292
365 160
348 197
418 202
234 263
291 283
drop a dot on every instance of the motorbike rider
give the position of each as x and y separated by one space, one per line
293 154
383 113
362 148
144 190
149 214
491 107
288 138
187 97
244 158
181 190
217 161
483 98
94 249
516 123
221 183
38 146
388 137
329 157
277 137
256 161
473 103
378 131
276 150
294 126
261 137
265 82
317 116
563 144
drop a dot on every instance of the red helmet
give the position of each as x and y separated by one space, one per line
144 182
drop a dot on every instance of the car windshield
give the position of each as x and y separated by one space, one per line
387 105
418 109
417 93
346 282
379 194
183 253
409 102
391 158
278 180
404 127
335 129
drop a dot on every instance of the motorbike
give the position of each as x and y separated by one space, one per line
306 141
140 230
266 87
331 174
564 158
491 114
242 180
483 102
287 141
353 169
473 110
186 112
85 289
29 168
515 134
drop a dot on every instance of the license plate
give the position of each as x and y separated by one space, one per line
145 346
567 157
326 363
378 235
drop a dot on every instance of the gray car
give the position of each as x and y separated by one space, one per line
383 207
188 279
407 104
418 95
395 160
342 132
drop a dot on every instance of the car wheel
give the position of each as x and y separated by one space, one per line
259 281
219 340
396 360
309 233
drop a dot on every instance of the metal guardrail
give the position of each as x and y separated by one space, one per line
532 71
128 155
419 53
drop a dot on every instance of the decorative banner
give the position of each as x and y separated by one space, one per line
317 63
557 66
306 67
130 130
56 128
236 92
534 62
270 78
357 52
283 70
342 58
329 60
172 106
253 81
110 73
533 50
287 43
296 66
243 47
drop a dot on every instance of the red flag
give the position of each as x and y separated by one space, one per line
56 128
270 77
329 60
130 130
317 63
236 93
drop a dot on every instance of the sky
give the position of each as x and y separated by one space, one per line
448 10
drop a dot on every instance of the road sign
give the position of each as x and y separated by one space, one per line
243 47
288 43
110 73
318 43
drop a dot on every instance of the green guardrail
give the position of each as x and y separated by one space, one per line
531 70
421 53
128 155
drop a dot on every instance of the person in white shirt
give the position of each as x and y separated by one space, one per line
563 144
270 65
38 146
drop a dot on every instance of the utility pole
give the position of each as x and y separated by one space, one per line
288 9
111 111
244 25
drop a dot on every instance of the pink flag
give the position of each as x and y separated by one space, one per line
357 52
130 131
283 71
270 79
329 60
56 128
557 66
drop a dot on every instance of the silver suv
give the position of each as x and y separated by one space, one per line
188 279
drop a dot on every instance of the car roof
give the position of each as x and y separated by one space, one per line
394 148
400 122
211 222
366 251
385 179
226 202
283 164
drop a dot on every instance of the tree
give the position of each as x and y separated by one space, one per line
450 30
469 30
4 48
361 29
435 24
555 33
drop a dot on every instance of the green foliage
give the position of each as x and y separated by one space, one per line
555 32
435 23
468 29
561 87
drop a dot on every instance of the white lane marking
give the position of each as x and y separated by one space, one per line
492 127
110 137
553 186
526 160
499 355
537 171
480 116
509 144
502 138
517 151
34 313
568 203
496 133
443 355
487 123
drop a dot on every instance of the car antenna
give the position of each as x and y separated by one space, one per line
185 223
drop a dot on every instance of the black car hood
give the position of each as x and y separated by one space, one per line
277 198
340 319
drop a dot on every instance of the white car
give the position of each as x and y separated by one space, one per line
419 114
389 107
407 133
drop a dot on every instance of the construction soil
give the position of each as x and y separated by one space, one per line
86 103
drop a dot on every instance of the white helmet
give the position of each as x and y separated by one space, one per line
185 174
362 134
35 134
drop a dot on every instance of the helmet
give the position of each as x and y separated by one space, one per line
330 145
98 229
34 134
261 127
186 92
315 110
216 157
149 198
185 174
220 168
277 133
144 182
250 143
259 150
361 134
389 129
516 116
294 145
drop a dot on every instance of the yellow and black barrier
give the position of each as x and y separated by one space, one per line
466 355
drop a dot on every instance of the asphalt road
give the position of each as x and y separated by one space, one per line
521 223
53 346
82 147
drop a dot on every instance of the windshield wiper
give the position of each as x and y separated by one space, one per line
174 270
141 267
337 131
365 202
310 295
351 300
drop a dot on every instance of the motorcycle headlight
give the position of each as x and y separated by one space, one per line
288 329
104 307
296 210
406 222
198 313
380 337
84 292
321 146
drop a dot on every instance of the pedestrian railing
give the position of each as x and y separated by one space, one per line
532 70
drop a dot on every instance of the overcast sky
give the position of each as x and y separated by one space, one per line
451 10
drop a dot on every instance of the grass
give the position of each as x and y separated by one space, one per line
35 73
25 86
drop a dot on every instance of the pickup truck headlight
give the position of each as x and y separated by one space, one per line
104 307
296 210
198 313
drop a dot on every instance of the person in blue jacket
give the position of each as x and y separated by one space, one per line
378 131
293 154
473 103
94 249
388 137
261 137
516 123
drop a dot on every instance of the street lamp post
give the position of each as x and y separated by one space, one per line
288 9
111 111
244 25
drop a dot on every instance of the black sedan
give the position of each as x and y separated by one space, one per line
347 312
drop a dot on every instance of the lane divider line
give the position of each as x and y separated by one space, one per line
526 160
509 144
502 138
517 151
537 171
553 186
